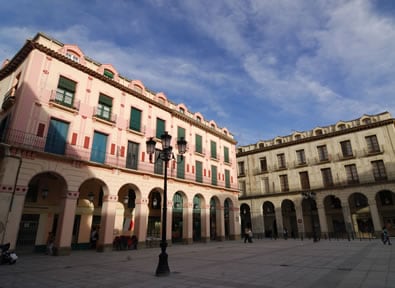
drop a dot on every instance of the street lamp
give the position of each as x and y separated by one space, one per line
310 196
165 155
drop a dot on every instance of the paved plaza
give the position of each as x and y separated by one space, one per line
263 264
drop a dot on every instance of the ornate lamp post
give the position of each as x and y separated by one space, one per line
165 155
310 196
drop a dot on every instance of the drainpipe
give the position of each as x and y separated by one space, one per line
13 190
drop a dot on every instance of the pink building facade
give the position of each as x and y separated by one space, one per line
73 157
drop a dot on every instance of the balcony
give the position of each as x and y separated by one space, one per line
9 99
105 117
68 104
76 154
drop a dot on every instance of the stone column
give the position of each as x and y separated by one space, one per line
279 222
106 231
375 216
220 223
300 220
141 220
64 231
257 221
205 218
322 219
188 223
347 218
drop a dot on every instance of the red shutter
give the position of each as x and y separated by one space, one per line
86 142
74 139
40 130
122 151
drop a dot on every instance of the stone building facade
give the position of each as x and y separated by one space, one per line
73 157
333 181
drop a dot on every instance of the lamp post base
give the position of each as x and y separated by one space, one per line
163 266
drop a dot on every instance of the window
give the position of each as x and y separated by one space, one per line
241 168
198 144
227 178
180 132
213 149
199 171
379 170
158 167
352 175
135 119
327 177
226 155
131 199
301 157
65 92
284 183
322 153
263 164
385 198
265 185
72 56
56 137
281 161
104 107
132 155
160 127
108 74
372 143
304 180
180 167
213 175
346 148
182 110
242 188
99 146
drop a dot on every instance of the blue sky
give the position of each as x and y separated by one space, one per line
259 68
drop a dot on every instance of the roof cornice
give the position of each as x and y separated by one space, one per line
31 45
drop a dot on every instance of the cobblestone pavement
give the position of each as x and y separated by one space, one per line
263 264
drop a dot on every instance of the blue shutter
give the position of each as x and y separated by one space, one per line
56 137
99 145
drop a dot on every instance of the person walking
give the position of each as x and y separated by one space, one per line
385 237
50 243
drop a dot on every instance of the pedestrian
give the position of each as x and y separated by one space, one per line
50 243
246 234
285 233
94 237
385 237
250 236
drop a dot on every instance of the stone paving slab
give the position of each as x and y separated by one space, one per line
264 264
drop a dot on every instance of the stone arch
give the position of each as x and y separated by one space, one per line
269 219
214 217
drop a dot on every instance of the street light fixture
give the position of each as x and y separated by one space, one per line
165 155
310 196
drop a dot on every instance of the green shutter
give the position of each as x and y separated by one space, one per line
198 144
213 150
227 178
214 175
199 171
160 127
226 154
105 100
108 74
180 167
180 132
66 84
135 119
